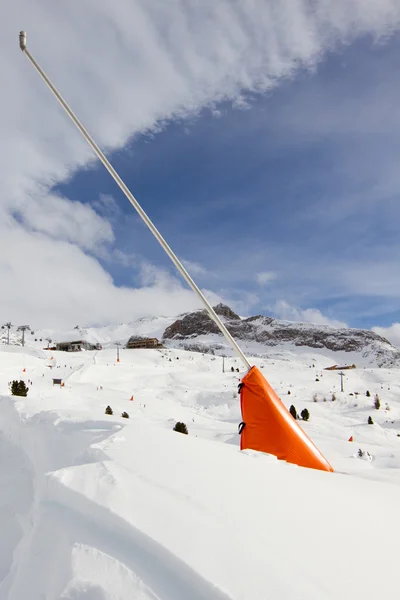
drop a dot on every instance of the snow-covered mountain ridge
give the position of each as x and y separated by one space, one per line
258 335
269 333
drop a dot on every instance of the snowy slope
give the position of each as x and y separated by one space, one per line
100 507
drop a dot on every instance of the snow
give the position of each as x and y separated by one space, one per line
101 507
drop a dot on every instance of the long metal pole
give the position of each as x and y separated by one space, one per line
134 202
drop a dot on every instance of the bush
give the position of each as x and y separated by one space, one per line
377 402
293 412
109 410
181 428
360 453
315 397
370 421
305 415
333 397
125 415
289 392
367 393
18 388
316 379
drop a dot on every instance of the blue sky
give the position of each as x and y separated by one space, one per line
297 183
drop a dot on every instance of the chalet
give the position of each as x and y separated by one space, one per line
142 342
76 346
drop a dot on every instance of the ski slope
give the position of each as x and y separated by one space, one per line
100 507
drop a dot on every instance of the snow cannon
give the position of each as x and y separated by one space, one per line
269 427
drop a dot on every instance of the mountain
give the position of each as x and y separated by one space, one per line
259 335
262 335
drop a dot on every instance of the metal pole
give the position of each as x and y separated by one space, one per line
134 202
341 381
118 345
8 325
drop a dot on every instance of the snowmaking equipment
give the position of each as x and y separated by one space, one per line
267 425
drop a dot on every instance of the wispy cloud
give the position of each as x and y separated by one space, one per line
194 268
265 277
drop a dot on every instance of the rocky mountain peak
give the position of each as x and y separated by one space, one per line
225 311
266 332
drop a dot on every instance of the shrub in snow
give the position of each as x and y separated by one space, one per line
293 412
316 379
305 415
377 402
360 453
18 388
109 410
367 393
125 415
289 392
315 397
181 428
333 397
370 421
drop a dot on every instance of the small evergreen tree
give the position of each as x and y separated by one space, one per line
333 397
377 402
367 393
18 388
125 415
370 421
293 412
181 428
109 410
305 415
360 453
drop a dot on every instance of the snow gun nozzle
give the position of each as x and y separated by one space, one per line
22 40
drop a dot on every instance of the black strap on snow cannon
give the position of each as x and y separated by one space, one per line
241 426
240 387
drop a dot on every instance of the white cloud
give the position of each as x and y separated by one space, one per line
288 312
139 64
265 277
391 333
194 268
63 219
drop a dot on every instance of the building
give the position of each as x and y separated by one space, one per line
338 368
76 346
142 342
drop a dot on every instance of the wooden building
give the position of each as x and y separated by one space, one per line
142 342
